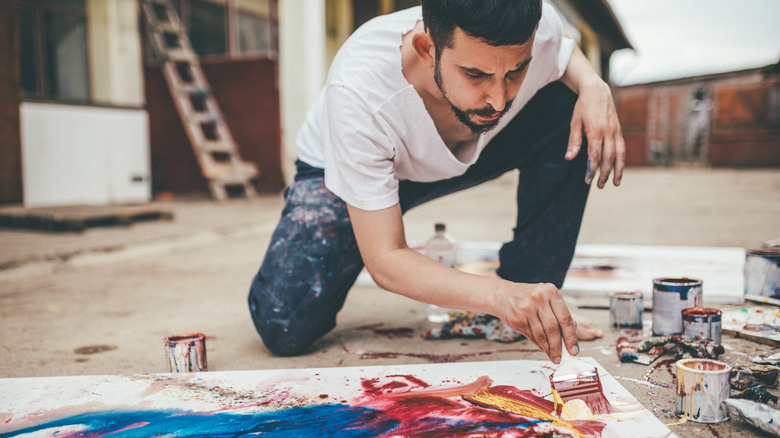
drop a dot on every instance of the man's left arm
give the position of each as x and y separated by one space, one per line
596 116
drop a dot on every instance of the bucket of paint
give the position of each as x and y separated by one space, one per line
625 309
702 322
670 297
762 272
186 353
702 387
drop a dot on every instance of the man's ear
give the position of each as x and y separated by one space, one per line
423 46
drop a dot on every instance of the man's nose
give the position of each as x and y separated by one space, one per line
496 95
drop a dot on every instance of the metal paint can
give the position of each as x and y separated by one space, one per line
702 322
670 297
626 309
186 352
702 387
762 272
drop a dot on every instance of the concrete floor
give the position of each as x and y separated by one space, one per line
101 301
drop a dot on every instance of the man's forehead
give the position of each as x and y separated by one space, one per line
469 49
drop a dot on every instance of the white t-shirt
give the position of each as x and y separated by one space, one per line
369 128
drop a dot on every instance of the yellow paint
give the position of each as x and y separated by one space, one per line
522 408
677 423
576 409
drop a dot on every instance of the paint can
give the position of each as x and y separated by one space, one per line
702 387
762 272
670 297
702 322
186 352
625 309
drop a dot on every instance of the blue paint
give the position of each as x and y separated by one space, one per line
321 420
683 286
310 421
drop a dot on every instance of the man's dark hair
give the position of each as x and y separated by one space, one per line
497 22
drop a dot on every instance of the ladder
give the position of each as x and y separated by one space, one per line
215 150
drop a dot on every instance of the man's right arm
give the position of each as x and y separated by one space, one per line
535 310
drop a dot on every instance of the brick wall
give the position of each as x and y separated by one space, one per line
720 120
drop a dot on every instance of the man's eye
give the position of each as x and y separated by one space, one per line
474 75
515 74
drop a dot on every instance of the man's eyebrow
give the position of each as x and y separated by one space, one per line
477 72
522 65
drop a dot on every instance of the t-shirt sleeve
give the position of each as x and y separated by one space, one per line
359 165
550 38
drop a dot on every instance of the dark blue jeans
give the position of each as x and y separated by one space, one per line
313 259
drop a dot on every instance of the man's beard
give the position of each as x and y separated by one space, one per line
463 115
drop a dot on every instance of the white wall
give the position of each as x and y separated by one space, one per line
302 67
75 155
115 56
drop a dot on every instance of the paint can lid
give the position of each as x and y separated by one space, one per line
701 311
627 294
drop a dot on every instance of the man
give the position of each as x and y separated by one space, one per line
414 109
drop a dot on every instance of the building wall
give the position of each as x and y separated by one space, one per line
94 152
248 98
720 120
746 124
116 72
10 145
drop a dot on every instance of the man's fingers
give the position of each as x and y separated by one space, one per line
620 159
539 336
594 159
575 139
607 161
568 327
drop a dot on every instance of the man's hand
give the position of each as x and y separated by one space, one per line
596 116
539 312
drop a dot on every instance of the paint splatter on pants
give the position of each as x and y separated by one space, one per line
313 259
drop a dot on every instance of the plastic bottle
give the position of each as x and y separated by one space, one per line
442 248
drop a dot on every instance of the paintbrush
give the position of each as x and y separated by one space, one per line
576 379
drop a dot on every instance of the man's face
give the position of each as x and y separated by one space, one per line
479 81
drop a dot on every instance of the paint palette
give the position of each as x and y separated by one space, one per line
452 399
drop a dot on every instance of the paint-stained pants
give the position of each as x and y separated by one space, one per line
313 259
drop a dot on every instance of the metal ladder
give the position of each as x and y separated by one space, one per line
215 150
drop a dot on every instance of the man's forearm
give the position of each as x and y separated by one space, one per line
579 72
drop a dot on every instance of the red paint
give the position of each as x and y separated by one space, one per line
668 363
713 431
456 412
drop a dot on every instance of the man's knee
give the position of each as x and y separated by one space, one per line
285 334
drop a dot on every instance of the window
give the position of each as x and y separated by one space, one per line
254 34
207 27
230 28
53 50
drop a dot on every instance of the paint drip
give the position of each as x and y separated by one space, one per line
670 297
626 309
703 323
186 353
702 387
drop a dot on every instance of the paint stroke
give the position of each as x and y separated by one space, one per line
299 421
394 405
